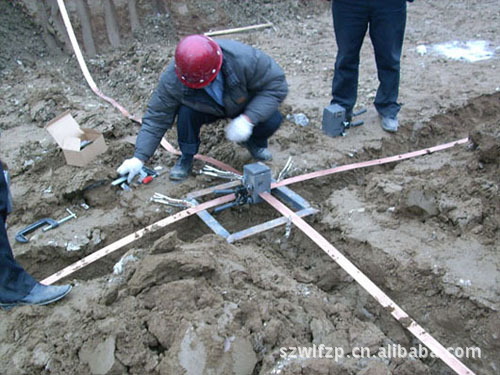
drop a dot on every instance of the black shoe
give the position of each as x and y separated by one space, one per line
182 168
258 153
40 295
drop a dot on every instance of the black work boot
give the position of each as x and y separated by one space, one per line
180 171
258 153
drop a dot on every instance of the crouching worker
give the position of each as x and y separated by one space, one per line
210 80
18 287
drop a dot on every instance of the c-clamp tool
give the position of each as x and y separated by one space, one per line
51 224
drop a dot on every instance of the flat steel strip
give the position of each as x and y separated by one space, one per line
397 312
370 163
134 237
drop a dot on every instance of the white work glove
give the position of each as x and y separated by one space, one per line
132 167
239 129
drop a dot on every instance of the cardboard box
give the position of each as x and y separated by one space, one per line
70 137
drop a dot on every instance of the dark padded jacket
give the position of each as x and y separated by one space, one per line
254 84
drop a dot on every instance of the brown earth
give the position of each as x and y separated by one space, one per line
425 230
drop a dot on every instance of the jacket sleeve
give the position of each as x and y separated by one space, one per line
266 80
159 117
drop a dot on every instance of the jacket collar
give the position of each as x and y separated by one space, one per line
230 77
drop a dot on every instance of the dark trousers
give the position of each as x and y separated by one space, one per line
15 282
386 20
189 123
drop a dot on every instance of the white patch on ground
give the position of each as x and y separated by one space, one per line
421 50
470 51
119 267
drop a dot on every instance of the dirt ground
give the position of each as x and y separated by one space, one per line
425 230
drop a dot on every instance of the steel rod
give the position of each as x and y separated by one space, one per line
239 29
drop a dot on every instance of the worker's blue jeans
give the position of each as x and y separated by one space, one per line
189 123
15 282
386 20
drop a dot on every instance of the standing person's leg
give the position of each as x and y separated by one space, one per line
257 143
15 282
17 287
350 22
387 28
189 123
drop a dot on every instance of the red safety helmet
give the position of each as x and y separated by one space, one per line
198 59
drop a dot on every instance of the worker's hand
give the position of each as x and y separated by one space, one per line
239 129
132 167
